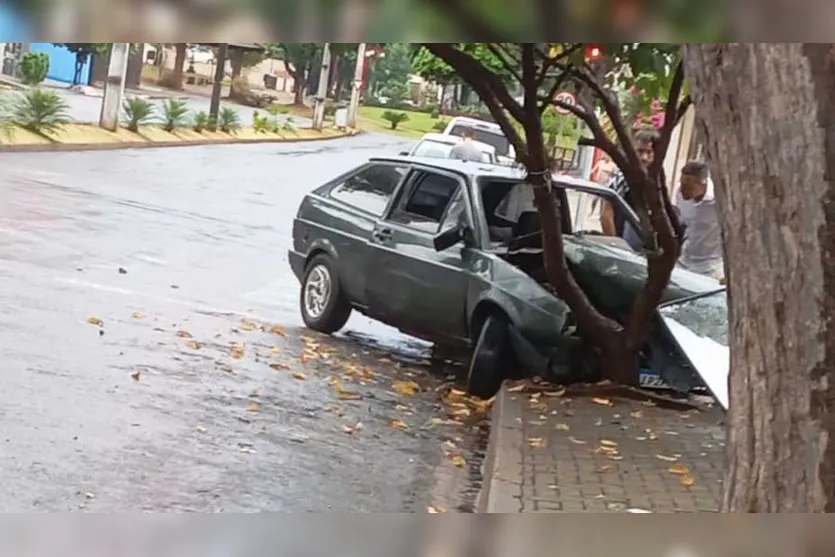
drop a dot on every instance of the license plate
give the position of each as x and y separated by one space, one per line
650 380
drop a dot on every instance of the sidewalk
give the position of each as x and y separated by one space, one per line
600 454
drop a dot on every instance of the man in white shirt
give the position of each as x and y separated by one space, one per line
467 150
696 202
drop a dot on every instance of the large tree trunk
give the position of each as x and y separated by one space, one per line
176 79
236 60
767 112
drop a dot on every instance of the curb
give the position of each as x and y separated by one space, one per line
501 471
65 147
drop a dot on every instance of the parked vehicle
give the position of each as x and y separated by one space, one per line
485 132
438 145
450 251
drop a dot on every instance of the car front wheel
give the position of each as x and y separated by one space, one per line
491 359
324 305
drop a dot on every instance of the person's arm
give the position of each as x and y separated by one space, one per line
607 219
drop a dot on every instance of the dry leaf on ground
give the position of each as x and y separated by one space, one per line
602 401
562 427
517 388
253 407
135 375
435 510
201 429
537 442
608 443
637 414
248 325
604 469
137 315
405 388
279 367
276 330
300 376
95 321
577 441
679 470
666 458
687 480
398 424
236 351
184 334
555 394
194 345
458 461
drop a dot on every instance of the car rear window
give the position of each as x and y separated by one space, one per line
496 139
432 149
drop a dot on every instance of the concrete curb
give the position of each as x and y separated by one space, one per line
501 471
65 147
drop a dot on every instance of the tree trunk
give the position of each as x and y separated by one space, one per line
236 60
298 97
176 80
767 112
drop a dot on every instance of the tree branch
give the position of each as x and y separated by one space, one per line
613 112
671 118
601 140
463 62
549 99
506 64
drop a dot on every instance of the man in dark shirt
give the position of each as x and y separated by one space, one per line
611 221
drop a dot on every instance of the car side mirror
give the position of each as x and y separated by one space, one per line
452 236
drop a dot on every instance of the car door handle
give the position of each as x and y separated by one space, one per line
382 234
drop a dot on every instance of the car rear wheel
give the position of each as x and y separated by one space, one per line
491 359
324 305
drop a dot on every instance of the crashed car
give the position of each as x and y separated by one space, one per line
450 251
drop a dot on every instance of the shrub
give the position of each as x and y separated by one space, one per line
260 124
289 125
174 114
40 111
394 118
6 120
435 113
439 126
228 120
34 67
201 121
138 112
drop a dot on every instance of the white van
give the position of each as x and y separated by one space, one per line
485 132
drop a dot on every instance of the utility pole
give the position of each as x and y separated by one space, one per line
322 93
217 86
353 108
114 86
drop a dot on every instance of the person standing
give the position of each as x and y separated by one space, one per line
467 150
612 222
701 251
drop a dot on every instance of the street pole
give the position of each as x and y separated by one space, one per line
217 86
114 86
353 108
322 93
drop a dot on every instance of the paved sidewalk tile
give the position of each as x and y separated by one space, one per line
587 454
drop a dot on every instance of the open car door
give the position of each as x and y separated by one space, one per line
699 326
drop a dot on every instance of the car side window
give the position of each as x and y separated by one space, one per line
424 204
371 188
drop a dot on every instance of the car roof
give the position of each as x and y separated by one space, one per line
475 122
455 140
483 170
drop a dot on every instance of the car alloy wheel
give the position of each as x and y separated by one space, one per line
317 291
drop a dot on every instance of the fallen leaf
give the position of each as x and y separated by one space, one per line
405 388
184 334
201 429
517 389
135 375
604 469
637 414
602 401
248 325
95 321
537 442
194 345
666 458
137 315
608 443
348 395
648 403
577 441
687 480
276 330
679 470
435 510
458 461
253 407
348 430
555 394
437 421
562 427
227 368
300 376
279 367
398 424
236 351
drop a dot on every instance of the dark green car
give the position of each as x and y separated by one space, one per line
450 251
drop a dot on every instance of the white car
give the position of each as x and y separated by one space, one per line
438 145
201 55
485 132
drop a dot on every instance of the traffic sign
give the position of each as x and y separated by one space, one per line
566 97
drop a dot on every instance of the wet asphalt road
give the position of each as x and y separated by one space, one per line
181 254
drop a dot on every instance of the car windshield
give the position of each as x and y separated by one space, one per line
494 138
700 327
438 150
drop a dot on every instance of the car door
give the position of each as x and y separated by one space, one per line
411 285
362 198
